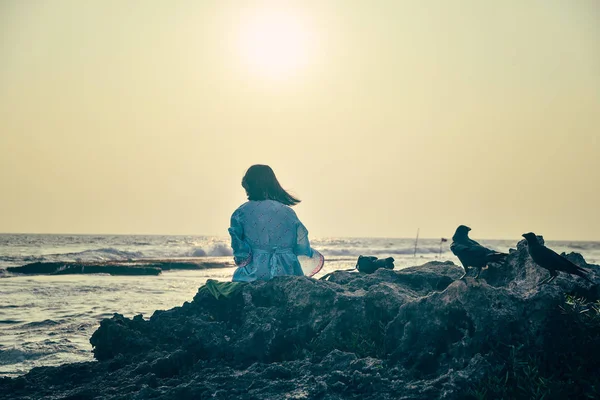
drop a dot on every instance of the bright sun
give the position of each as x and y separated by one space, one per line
276 44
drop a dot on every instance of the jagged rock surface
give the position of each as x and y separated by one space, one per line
521 273
418 333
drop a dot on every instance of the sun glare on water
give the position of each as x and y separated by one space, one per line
276 44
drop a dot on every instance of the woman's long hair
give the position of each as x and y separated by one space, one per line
261 183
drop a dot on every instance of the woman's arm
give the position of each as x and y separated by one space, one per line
241 250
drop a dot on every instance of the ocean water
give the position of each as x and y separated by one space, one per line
48 319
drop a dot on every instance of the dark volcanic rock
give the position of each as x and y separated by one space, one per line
521 273
421 280
71 268
133 267
416 333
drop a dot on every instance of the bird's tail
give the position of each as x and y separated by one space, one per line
583 273
496 257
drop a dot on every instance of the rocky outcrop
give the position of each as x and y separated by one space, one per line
520 273
133 267
417 333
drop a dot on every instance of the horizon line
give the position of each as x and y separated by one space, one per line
316 237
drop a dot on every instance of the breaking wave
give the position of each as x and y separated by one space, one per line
15 356
355 252
106 254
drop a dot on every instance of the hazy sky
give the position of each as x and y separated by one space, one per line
382 116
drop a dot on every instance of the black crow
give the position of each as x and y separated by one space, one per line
546 258
472 254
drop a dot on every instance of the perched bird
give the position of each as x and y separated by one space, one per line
472 254
547 258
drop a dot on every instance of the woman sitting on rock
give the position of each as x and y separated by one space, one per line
267 237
